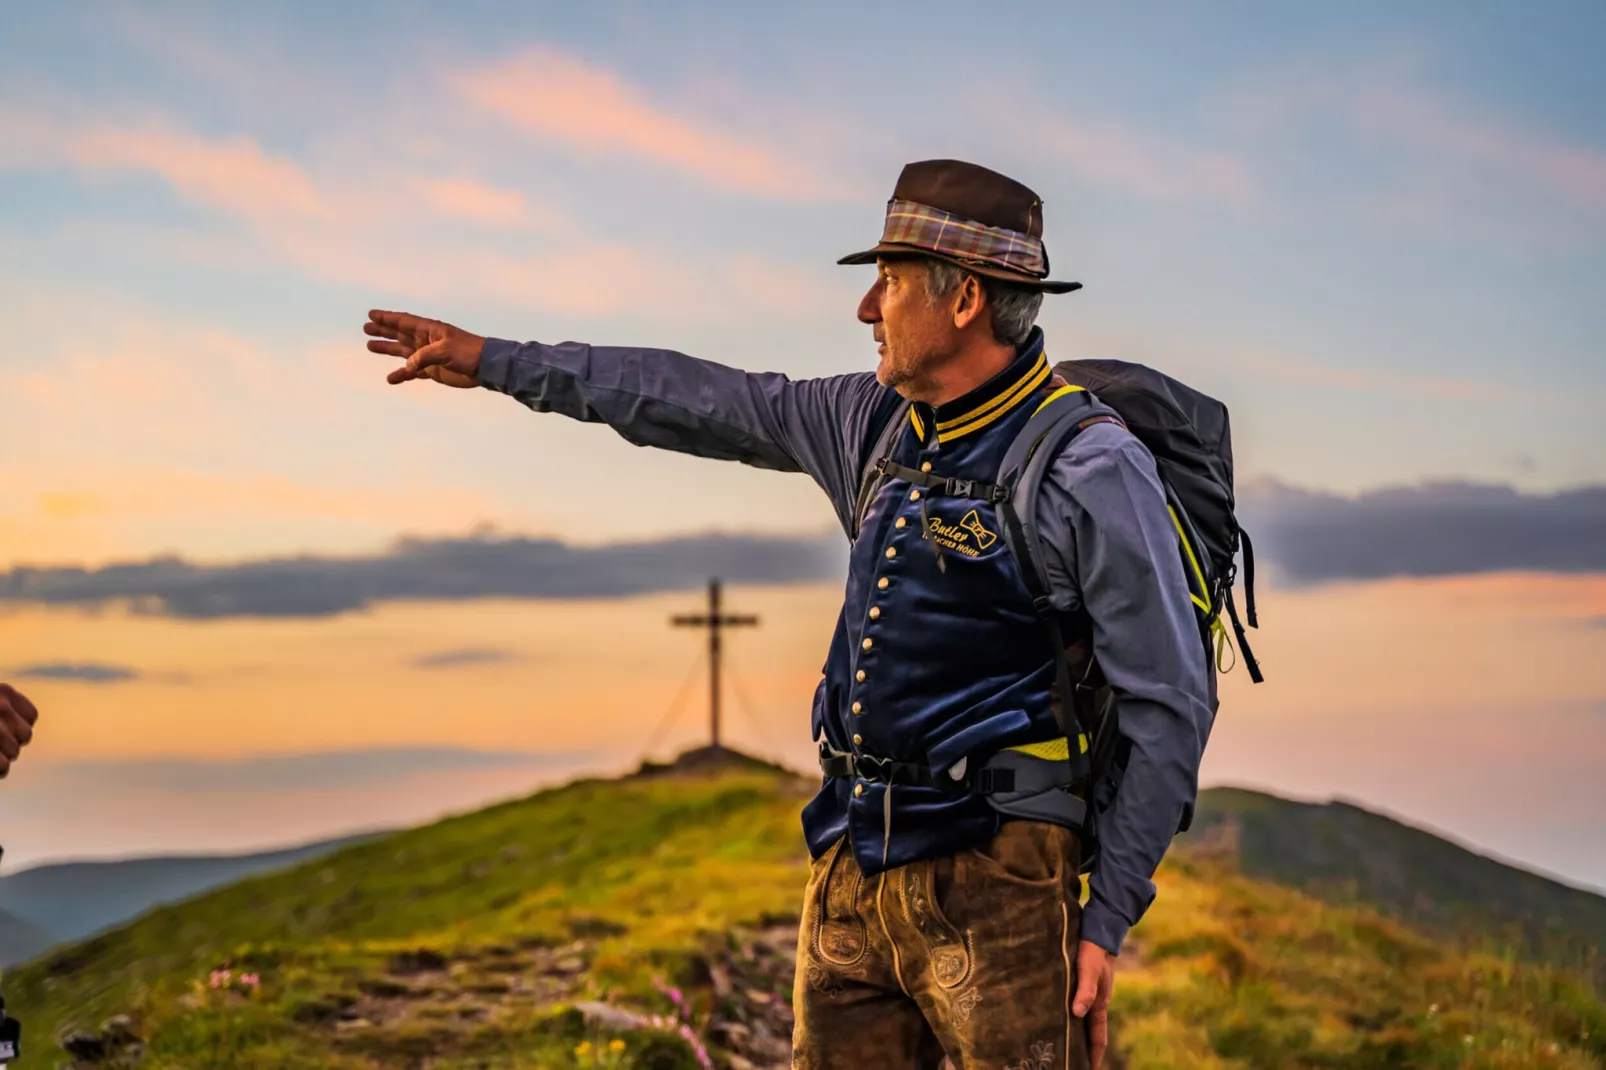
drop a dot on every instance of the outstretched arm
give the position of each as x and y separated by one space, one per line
656 397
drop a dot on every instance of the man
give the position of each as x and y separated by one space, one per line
934 921
17 718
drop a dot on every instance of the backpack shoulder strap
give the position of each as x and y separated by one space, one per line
1060 417
870 477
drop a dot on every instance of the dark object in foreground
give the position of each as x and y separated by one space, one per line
10 1036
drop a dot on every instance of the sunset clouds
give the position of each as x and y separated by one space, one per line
1376 234
1303 536
588 109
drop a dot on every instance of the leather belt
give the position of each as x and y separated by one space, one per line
974 781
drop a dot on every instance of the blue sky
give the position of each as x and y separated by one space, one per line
1377 231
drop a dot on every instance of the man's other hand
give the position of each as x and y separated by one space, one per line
17 717
1095 977
432 349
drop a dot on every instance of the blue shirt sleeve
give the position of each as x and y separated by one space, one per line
1109 546
662 398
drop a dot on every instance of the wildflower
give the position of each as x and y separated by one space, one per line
250 980
697 1047
219 979
616 1045
1433 1009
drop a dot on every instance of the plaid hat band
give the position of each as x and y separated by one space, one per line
911 223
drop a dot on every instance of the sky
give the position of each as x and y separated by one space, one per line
1378 233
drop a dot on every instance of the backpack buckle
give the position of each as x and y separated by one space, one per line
993 781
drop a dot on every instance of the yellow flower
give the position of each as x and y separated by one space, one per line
584 1048
616 1045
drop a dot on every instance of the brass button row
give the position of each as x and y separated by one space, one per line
875 611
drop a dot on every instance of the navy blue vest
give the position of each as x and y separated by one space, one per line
934 660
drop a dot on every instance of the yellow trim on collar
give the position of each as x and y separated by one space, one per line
987 407
984 414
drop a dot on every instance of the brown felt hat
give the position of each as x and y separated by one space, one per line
961 212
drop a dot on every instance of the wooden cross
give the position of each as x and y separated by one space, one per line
713 620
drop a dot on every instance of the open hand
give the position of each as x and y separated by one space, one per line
432 349
1095 978
17 717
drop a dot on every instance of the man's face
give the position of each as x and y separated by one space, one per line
917 334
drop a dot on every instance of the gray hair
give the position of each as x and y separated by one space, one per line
1014 307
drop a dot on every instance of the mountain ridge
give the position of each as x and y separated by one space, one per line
549 931
1346 853
67 901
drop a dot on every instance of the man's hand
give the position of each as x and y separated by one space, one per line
1095 977
17 717
433 350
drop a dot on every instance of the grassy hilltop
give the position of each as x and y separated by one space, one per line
547 932
1352 857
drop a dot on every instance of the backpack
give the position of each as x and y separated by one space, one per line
1189 435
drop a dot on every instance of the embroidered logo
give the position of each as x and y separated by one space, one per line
958 537
972 523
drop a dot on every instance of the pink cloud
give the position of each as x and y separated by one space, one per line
236 175
556 96
233 173
468 199
1433 122
344 232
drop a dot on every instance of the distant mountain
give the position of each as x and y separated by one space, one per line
72 900
631 923
1348 855
21 940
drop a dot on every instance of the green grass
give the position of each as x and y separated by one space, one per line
469 942
1352 857
641 872
1232 972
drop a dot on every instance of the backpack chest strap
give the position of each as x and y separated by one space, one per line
951 486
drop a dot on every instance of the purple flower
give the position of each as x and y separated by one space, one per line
697 1047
